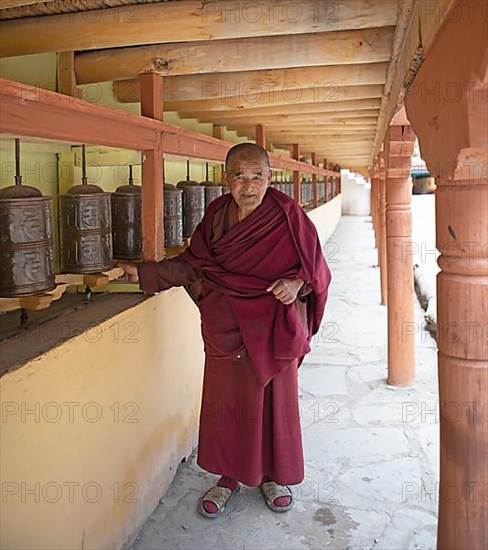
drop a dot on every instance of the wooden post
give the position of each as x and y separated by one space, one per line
314 182
217 131
296 174
399 143
65 74
152 173
382 233
260 135
453 139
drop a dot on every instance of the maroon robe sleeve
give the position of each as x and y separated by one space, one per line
157 276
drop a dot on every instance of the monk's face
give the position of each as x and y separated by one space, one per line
248 178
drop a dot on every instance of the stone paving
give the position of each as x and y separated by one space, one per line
371 451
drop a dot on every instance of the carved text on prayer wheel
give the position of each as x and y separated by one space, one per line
173 216
86 240
26 246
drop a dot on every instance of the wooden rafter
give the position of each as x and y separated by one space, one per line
162 22
323 79
319 96
245 54
315 107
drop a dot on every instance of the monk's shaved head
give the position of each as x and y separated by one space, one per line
246 151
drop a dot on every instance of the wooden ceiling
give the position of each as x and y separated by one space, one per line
328 75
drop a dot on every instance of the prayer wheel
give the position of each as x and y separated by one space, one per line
193 203
173 216
86 228
212 190
126 221
26 239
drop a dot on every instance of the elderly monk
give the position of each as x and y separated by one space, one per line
256 271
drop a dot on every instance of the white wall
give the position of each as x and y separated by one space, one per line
355 194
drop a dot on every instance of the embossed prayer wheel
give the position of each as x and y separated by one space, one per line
26 239
212 190
86 228
173 216
193 203
126 221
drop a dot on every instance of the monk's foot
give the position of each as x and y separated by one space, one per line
277 497
215 500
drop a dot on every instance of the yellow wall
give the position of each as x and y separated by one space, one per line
131 365
326 217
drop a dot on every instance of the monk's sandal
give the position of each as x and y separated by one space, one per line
271 491
220 496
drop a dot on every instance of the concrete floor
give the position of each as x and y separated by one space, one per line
371 451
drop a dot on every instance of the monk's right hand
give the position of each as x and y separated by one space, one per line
131 275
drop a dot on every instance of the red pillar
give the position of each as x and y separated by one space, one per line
152 173
382 234
326 183
453 139
296 174
314 182
399 144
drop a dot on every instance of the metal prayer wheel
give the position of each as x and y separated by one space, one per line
193 203
26 239
212 190
86 228
126 221
173 216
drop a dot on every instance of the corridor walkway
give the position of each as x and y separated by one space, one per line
371 451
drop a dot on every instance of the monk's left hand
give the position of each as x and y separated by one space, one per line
285 290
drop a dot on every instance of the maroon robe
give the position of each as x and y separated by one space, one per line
249 421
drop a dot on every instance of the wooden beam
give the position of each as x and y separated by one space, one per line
31 111
187 21
315 107
301 115
323 80
42 114
418 22
244 54
9 4
290 97
296 174
302 125
316 123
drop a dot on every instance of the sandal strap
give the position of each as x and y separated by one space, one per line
273 491
218 495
